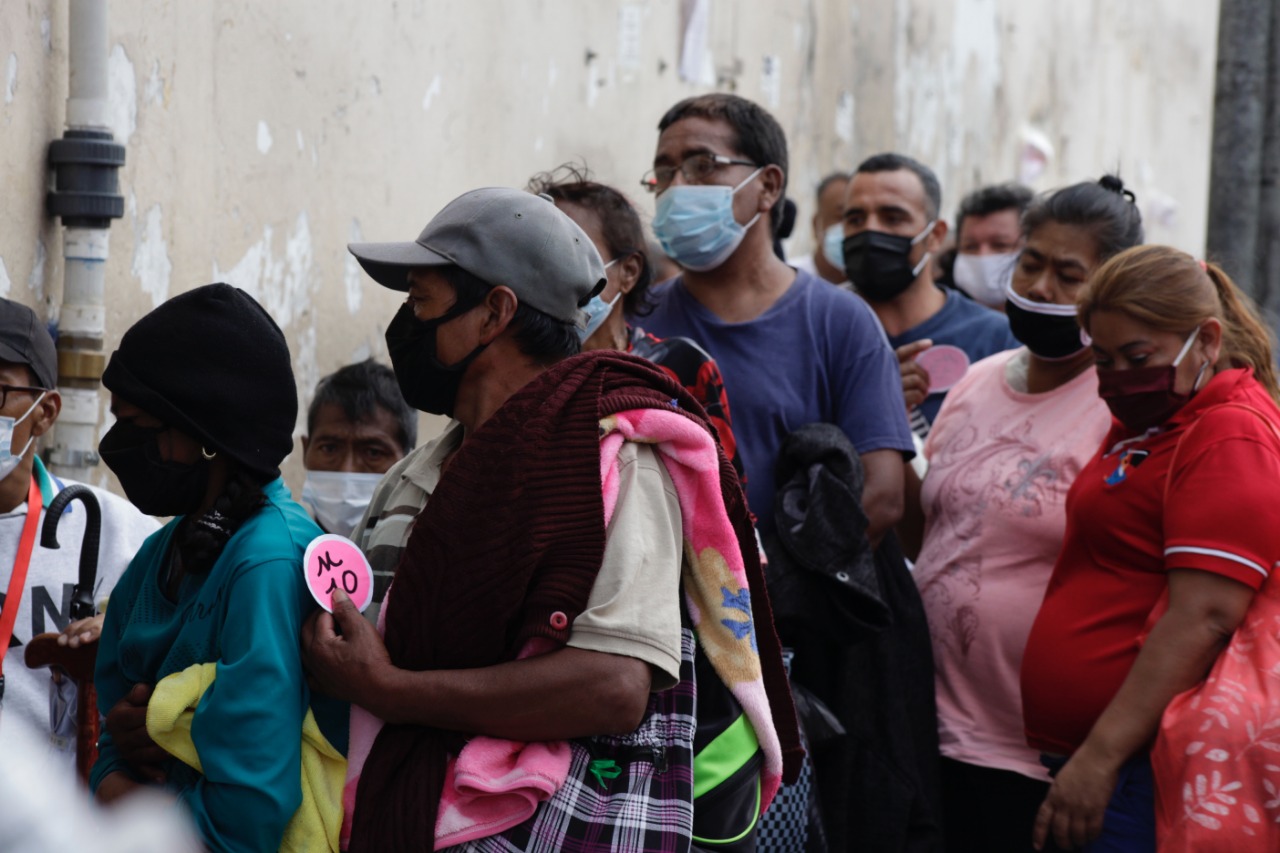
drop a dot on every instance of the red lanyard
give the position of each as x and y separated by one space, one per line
13 598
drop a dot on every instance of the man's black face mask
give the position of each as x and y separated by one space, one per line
426 384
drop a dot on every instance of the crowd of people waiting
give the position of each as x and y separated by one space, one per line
919 543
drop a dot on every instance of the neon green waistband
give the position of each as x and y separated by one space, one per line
724 756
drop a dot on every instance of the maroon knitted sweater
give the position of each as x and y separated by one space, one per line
514 533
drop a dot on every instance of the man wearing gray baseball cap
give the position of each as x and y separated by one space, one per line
523 613
514 254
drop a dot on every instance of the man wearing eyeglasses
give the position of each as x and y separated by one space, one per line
39 586
793 350
796 351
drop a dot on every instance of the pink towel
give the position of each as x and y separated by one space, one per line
491 786
496 784
715 578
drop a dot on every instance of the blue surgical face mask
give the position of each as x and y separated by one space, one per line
597 310
833 245
8 459
696 226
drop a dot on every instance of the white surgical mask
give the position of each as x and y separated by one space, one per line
833 245
338 499
9 461
984 276
597 310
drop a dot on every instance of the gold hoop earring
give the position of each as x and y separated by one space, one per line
207 455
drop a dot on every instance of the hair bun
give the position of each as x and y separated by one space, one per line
1115 185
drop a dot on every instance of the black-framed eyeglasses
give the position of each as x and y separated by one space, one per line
5 389
697 169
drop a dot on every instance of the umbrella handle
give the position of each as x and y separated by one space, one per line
82 595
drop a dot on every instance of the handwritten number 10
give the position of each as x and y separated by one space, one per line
350 581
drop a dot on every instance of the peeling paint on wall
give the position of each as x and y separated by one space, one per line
598 77
35 281
432 91
845 115
771 81
5 284
151 264
282 285
11 78
302 145
295 295
695 54
46 34
155 85
552 74
630 37
306 373
122 95
351 272
264 137
962 72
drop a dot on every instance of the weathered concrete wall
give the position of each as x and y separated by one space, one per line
262 137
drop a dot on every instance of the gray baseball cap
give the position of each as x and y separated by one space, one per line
25 340
504 237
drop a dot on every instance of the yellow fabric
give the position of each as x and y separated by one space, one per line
315 825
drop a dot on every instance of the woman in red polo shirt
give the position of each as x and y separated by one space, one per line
1173 500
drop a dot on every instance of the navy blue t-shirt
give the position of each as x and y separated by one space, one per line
962 323
818 355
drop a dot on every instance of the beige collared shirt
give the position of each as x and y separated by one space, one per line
634 607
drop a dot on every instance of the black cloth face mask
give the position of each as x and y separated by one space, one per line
426 384
879 264
1052 337
153 485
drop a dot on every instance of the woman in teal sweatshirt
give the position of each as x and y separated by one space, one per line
205 404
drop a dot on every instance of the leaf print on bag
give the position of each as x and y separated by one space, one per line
1209 799
1230 724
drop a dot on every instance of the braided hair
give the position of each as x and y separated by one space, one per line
201 538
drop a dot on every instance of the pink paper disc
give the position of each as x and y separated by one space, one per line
335 562
945 364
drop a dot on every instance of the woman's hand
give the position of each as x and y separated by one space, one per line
126 722
1077 802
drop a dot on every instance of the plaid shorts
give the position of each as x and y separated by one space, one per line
632 794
